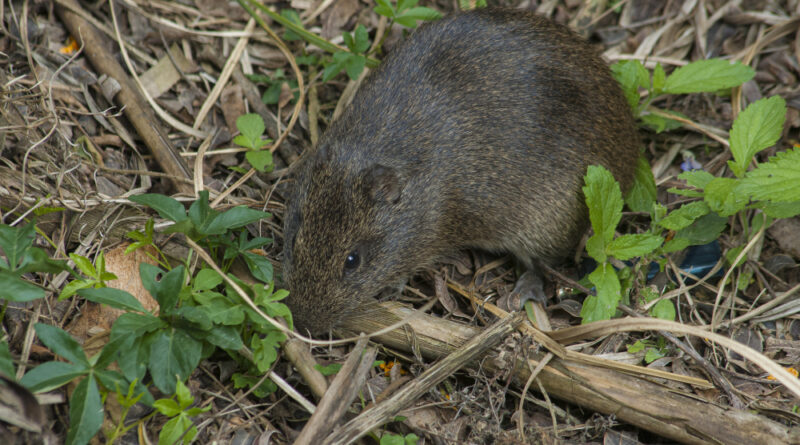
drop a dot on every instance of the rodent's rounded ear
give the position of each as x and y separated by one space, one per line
383 184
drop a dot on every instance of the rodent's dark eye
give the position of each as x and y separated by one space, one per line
351 261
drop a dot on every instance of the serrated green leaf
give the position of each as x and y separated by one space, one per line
776 180
626 247
115 298
604 199
643 192
173 352
251 126
166 207
83 264
13 288
631 75
781 209
704 230
260 160
707 76
697 178
759 126
85 412
361 44
61 343
684 216
722 197
604 305
265 349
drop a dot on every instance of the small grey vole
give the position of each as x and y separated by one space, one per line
475 132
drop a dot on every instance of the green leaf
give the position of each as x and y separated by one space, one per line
260 160
631 75
225 337
51 375
354 65
410 17
173 430
36 260
643 192
335 66
659 123
197 318
659 78
604 199
265 349
723 198
707 76
14 241
259 266
233 219
6 361
115 298
652 355
776 180
697 178
361 44
781 209
165 289
173 352
166 207
664 310
329 369
759 126
604 305
61 343
167 407
13 288
266 388
251 126
402 5
294 17
84 265
220 309
85 412
705 229
135 325
629 246
200 213
206 279
185 398
385 8
684 216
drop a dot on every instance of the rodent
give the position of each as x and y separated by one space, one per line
475 132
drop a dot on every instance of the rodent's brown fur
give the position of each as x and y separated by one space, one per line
475 132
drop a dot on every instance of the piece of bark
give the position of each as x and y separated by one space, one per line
684 418
349 380
135 106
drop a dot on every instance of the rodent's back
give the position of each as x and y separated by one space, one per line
490 119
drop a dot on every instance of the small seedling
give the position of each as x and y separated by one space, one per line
251 128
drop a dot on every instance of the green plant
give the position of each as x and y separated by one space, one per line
22 258
251 136
769 188
653 350
180 428
397 439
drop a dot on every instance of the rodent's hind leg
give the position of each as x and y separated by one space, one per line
530 286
